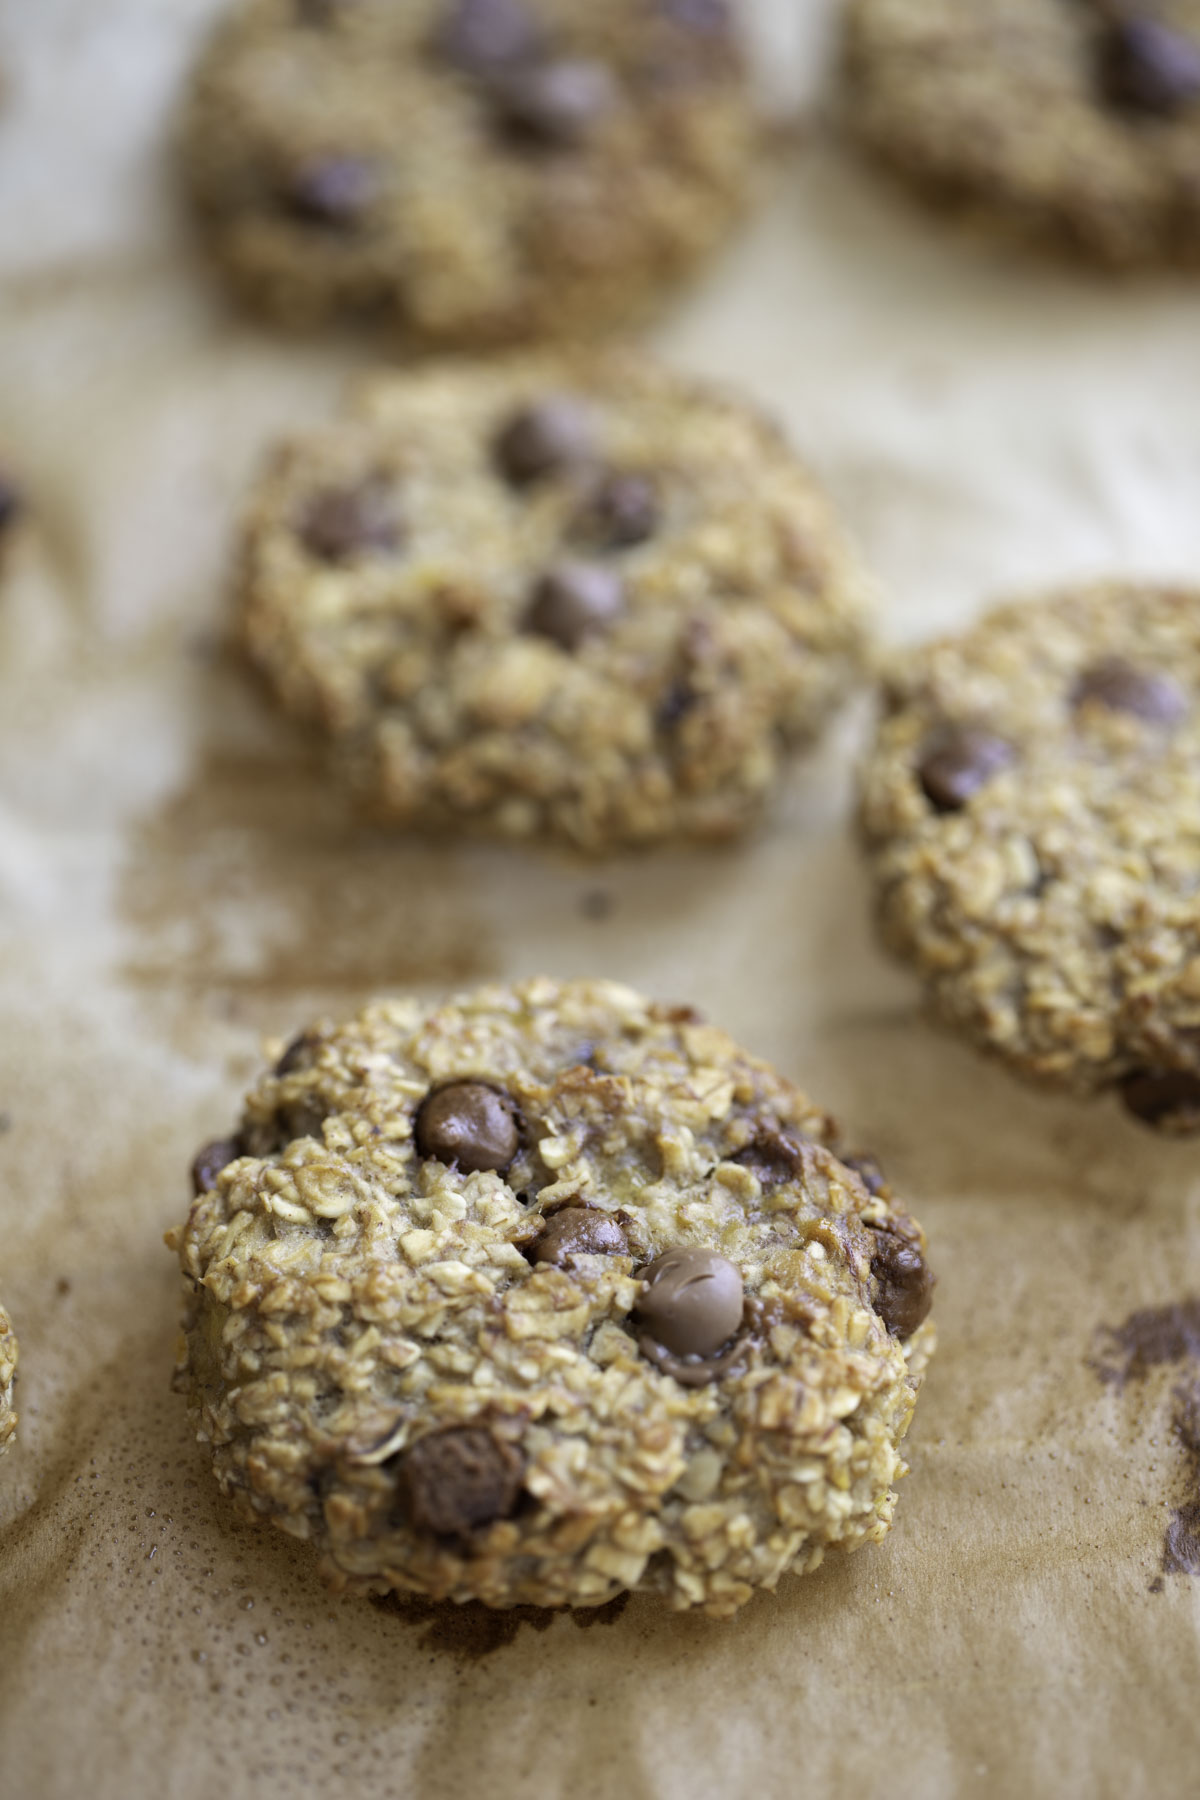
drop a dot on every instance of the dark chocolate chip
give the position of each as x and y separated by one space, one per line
1123 687
340 523
469 1123
1166 1098
1148 67
12 503
579 1231
773 1155
452 1482
303 1118
333 191
901 1279
481 36
958 761
300 1053
209 1161
675 705
575 600
621 511
690 1301
545 438
555 105
868 1172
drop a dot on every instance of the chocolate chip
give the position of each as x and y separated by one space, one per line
901 1279
868 1172
958 761
469 1123
333 191
575 600
773 1155
1148 67
300 1053
12 503
1166 1098
579 1231
621 511
303 1118
452 1482
675 705
690 1301
340 523
545 438
1123 687
480 36
209 1161
555 105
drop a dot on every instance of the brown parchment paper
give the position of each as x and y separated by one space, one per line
178 880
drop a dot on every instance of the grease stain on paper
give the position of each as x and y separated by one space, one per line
1156 1337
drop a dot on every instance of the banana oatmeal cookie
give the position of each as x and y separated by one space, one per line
1032 815
8 1378
1074 118
545 1294
476 170
581 598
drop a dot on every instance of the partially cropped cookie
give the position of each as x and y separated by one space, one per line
474 170
1074 118
546 1294
1032 815
8 1377
586 599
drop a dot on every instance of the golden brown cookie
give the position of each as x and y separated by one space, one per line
578 598
1077 119
545 1294
474 170
1032 815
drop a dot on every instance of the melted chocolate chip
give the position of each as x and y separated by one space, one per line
579 1231
773 1155
452 1482
553 105
868 1172
1166 1098
210 1160
901 1279
303 1118
299 1054
340 523
469 1123
1148 67
621 511
690 1302
333 191
1123 687
574 601
958 761
551 435
481 36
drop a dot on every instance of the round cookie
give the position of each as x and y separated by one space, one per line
545 1294
1076 118
8 1379
581 598
475 170
1031 810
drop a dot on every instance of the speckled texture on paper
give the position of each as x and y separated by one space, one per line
1000 104
1054 910
348 1300
344 160
410 637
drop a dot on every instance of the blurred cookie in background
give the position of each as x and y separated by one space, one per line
1076 119
475 170
580 598
1031 811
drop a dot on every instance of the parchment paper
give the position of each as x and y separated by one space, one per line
178 881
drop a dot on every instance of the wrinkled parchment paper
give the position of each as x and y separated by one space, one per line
178 880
